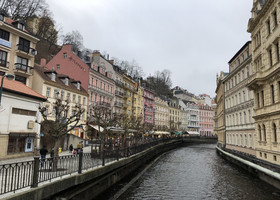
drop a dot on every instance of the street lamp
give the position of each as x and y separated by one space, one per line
9 77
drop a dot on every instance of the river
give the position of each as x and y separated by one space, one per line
196 172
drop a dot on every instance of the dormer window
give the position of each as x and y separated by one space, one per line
53 76
20 26
66 81
2 16
78 85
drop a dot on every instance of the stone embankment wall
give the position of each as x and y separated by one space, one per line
91 183
265 172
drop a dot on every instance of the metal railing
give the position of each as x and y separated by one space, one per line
19 175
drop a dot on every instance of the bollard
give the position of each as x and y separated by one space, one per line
103 157
80 162
118 151
35 172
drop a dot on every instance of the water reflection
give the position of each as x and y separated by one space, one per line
197 172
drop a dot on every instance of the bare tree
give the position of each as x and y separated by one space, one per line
62 122
102 117
131 68
74 38
160 83
22 9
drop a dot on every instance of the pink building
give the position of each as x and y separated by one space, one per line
68 63
206 121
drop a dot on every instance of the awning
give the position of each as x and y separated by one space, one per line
97 128
115 129
178 133
161 133
193 133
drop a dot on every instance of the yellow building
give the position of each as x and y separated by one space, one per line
220 126
129 95
139 101
17 50
161 114
265 80
174 116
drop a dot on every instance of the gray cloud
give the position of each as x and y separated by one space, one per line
194 39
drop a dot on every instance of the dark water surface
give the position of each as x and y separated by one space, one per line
197 172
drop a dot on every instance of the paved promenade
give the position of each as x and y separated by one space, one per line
30 158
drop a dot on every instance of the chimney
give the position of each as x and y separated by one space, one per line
111 61
43 62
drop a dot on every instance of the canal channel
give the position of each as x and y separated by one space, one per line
193 172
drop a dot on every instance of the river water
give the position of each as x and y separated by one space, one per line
197 172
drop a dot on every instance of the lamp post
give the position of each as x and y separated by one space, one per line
9 77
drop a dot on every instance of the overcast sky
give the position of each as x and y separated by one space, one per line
194 39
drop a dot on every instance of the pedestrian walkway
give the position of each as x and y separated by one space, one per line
30 158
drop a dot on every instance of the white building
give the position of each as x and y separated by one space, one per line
19 133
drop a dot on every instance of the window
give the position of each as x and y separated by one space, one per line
249 113
20 79
64 55
268 27
3 59
270 56
2 17
277 51
258 99
275 132
260 133
245 120
275 18
264 133
274 158
55 94
23 112
4 35
272 94
48 92
22 63
84 101
20 26
62 95
57 67
262 98
244 96
74 98
24 45
20 143
79 99
68 96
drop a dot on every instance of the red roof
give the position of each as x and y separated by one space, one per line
20 88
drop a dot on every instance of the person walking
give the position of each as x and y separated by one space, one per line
51 157
43 153
70 148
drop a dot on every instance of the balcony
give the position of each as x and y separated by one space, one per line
119 83
23 69
118 93
26 51
118 104
102 104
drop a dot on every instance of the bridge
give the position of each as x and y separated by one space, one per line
82 176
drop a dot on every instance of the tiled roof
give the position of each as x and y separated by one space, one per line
21 89
42 72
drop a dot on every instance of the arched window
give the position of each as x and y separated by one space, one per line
264 133
275 132
260 133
